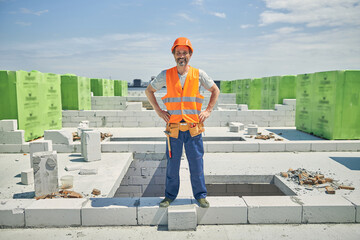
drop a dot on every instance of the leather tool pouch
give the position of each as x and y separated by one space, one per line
197 129
173 129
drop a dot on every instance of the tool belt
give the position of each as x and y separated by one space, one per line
194 128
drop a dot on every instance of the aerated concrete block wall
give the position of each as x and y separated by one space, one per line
108 103
144 178
149 118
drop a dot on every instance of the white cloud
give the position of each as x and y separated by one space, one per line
244 26
217 14
287 30
28 11
312 13
25 24
198 2
186 17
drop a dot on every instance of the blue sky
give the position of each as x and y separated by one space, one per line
132 39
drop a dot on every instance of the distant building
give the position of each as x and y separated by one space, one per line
137 83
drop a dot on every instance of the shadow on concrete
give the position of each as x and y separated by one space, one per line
75 155
24 195
18 175
352 163
294 135
105 202
78 160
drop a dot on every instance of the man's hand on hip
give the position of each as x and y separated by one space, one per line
204 115
164 115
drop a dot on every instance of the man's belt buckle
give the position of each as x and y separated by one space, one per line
183 124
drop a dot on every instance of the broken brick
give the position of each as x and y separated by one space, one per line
96 191
330 190
284 174
346 187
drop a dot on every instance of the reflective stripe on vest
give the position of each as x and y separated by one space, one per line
185 111
185 99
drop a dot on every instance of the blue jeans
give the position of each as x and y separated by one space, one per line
194 150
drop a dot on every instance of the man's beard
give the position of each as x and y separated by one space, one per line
181 61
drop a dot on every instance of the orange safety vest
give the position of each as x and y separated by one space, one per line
183 103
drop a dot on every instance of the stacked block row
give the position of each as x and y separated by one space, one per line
146 211
328 104
261 93
149 118
75 92
33 99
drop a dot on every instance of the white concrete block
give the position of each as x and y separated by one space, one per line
348 146
27 176
182 218
131 106
91 146
297 146
272 209
39 146
289 102
240 125
272 147
110 212
149 212
58 136
222 210
45 173
54 213
88 171
10 148
70 113
355 200
326 209
12 137
252 130
243 107
234 128
246 147
8 125
280 107
12 212
115 147
220 146
322 146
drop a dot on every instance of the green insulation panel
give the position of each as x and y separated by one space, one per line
237 87
265 85
304 102
120 88
246 91
273 91
287 88
75 92
97 86
20 99
328 104
225 86
52 103
255 94
350 126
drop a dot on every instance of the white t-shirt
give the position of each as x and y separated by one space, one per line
160 81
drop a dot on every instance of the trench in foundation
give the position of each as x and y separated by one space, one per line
146 178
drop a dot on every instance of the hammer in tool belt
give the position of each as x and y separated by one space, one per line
168 140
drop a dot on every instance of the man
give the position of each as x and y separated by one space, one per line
184 119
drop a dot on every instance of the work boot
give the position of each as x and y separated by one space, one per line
166 202
203 202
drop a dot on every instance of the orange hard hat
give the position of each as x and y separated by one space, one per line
183 41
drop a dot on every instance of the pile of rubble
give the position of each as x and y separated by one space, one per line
266 137
63 193
76 137
304 177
